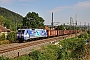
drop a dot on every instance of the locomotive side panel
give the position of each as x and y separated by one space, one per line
40 33
32 33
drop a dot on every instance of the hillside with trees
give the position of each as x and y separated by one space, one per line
10 15
13 21
9 19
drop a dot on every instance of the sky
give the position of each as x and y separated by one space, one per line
62 9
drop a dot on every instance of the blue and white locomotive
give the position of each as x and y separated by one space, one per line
26 34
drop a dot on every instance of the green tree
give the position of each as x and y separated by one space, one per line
61 27
33 20
2 20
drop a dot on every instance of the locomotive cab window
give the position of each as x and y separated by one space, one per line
21 31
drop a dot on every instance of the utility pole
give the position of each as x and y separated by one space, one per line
80 25
85 25
70 22
76 24
73 23
76 19
88 26
52 20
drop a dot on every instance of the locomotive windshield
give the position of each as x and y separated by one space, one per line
21 31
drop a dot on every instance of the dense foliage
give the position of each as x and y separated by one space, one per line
88 31
72 48
85 35
2 37
49 52
10 15
61 27
10 19
68 49
66 27
3 58
11 36
33 20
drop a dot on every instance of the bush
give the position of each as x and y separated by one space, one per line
47 53
24 58
4 42
85 35
68 49
2 37
11 36
4 58
72 48
88 31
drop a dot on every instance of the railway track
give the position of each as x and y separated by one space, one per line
17 46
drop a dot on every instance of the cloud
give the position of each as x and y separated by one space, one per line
82 5
60 8
79 6
6 1
22 0
11 1
25 0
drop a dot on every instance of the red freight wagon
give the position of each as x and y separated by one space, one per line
71 31
52 33
78 31
66 32
74 31
60 32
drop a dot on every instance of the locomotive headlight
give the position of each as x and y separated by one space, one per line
22 34
17 35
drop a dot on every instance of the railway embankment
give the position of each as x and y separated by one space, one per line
27 48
